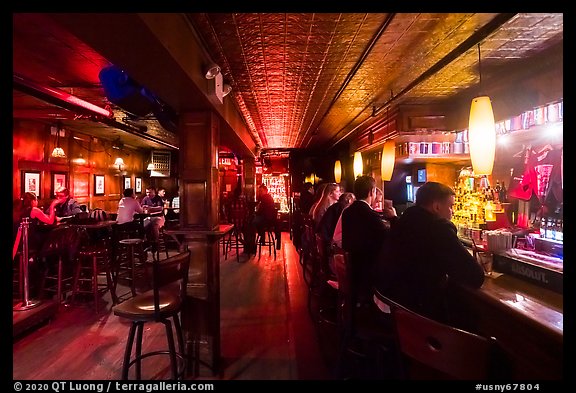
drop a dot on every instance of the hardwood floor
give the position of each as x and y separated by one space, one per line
266 331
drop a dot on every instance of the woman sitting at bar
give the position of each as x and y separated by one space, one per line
29 208
329 197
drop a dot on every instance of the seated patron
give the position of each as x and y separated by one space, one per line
363 234
153 205
69 206
265 215
306 197
424 253
127 207
28 207
330 218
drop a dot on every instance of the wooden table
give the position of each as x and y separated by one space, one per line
201 313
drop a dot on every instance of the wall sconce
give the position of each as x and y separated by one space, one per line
58 152
358 164
388 158
337 171
150 167
79 160
119 162
211 71
481 132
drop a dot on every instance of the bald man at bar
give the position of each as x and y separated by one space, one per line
424 253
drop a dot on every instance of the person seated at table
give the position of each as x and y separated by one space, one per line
265 215
127 207
28 207
40 224
176 202
69 206
424 253
154 206
162 195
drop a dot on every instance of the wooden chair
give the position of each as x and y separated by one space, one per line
160 304
432 350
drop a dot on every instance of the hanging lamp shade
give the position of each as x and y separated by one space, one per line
358 165
482 135
58 152
388 157
337 171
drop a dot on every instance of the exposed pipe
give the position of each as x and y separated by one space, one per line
466 45
77 105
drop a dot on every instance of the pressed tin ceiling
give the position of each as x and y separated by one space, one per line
310 80
300 80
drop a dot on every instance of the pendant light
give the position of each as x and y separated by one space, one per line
337 171
58 152
481 131
388 157
358 165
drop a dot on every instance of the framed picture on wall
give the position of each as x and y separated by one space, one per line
138 185
59 179
31 182
98 184
127 182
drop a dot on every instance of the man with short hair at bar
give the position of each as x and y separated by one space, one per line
424 253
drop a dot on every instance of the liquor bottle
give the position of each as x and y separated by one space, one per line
551 229
543 228
497 190
559 231
503 193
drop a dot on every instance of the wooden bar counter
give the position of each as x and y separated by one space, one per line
527 320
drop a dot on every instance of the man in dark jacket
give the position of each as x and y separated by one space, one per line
424 253
363 234
265 216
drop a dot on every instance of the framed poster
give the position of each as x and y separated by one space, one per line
31 182
127 182
138 185
59 179
98 184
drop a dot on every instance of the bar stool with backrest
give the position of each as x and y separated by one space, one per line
429 349
160 304
366 335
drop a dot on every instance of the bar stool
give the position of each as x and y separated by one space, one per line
93 262
268 239
127 265
63 244
163 304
